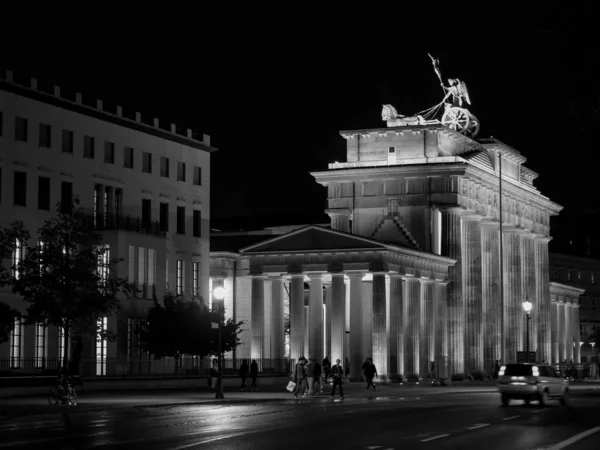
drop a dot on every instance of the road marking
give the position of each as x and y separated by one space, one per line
575 438
478 425
511 417
539 410
434 437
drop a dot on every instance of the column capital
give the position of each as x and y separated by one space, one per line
449 209
490 221
441 282
355 275
396 275
297 275
542 238
468 214
426 281
279 277
259 277
512 229
315 276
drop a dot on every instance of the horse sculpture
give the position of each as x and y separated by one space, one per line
393 119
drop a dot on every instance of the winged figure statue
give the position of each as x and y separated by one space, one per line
456 89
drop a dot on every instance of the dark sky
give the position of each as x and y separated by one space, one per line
274 87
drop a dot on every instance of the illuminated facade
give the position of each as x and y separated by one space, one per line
144 186
410 270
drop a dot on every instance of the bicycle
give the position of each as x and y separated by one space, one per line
58 396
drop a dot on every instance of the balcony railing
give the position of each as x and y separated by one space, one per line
102 222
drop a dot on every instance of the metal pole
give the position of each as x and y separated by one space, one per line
503 357
528 317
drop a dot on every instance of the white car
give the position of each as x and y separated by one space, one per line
532 382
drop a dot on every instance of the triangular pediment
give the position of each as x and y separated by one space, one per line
314 238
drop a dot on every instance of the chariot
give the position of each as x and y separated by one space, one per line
455 115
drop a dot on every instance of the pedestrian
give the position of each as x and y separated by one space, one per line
347 369
497 369
369 371
244 369
216 379
317 378
310 375
337 373
300 377
253 374
326 366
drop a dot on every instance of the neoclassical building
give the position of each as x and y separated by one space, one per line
414 268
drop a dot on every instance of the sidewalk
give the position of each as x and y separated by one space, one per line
89 401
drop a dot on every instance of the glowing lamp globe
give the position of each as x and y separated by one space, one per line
527 306
219 293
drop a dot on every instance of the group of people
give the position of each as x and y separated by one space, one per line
244 371
308 373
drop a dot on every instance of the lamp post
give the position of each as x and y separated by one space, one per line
219 294
527 308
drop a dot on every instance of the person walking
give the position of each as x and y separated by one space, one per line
253 374
317 378
337 373
310 375
369 371
496 369
326 366
300 377
217 380
244 369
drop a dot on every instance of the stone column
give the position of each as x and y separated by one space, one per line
411 325
338 317
427 324
327 349
490 293
576 336
542 299
356 326
441 327
315 311
568 330
555 354
367 342
456 308
380 339
528 289
277 325
257 319
562 350
395 327
471 290
513 300
296 317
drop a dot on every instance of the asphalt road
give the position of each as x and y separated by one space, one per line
385 420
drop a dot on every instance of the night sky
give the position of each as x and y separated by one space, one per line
274 87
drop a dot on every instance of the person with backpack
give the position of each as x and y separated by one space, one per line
369 371
337 373
317 377
326 366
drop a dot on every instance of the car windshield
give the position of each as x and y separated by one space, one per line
519 370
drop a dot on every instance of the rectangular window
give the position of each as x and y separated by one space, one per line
128 158
20 129
20 189
40 345
17 257
142 272
104 264
196 278
180 171
164 167
180 220
146 162
109 152
66 196
67 141
197 176
197 223
179 282
146 213
151 270
101 346
45 135
44 193
164 217
61 344
131 264
89 147
15 344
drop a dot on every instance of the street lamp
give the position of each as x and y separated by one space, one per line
527 308
219 294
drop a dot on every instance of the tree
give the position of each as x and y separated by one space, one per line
178 327
7 321
67 279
